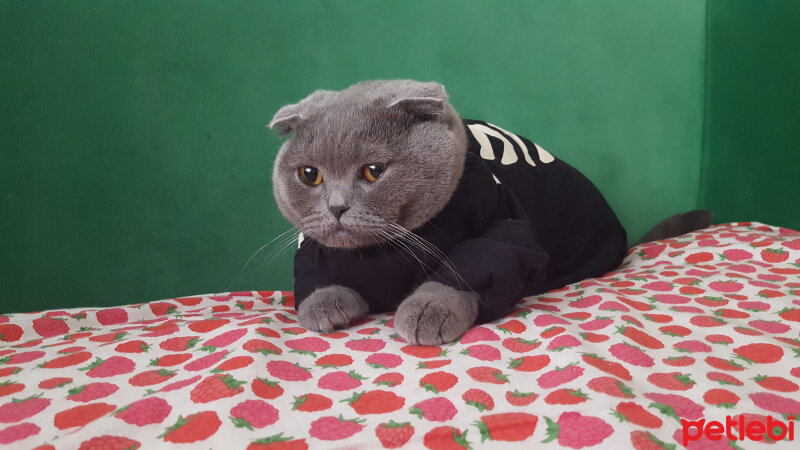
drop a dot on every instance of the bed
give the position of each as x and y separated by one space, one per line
705 326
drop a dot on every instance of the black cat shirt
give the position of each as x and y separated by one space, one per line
521 222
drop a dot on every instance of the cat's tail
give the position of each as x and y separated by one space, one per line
679 224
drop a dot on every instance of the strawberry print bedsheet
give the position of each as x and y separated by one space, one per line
703 326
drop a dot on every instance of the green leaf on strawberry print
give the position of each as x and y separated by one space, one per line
552 430
241 423
91 366
273 439
181 422
665 409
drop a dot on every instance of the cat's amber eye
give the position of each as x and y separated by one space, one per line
310 175
373 171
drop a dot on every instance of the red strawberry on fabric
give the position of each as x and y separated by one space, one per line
645 440
223 340
376 360
611 367
776 403
172 359
308 345
423 351
487 374
438 382
311 403
394 435
479 399
237 362
48 327
216 387
446 438
265 388
508 427
365 345
208 325
565 397
575 430
340 381
519 345
390 379
636 414
206 361
179 344
517 398
631 355
759 353
559 376
10 332
151 377
375 402
610 386
254 414
287 371
18 432
21 409
79 416
108 442
144 412
91 392
55 382
10 387
278 442
111 316
112 366
675 406
330 428
135 346
673 381
193 428
482 352
436 409
721 398
477 334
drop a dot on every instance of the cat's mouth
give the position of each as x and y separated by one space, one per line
342 236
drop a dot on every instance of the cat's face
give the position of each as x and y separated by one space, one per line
364 160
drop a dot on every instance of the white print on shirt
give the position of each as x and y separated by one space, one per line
481 133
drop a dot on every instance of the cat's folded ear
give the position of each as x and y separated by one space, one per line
422 99
290 116
286 119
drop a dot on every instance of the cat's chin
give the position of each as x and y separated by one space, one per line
347 239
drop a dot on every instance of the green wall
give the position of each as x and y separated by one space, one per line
134 160
751 148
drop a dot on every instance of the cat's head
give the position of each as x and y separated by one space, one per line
376 153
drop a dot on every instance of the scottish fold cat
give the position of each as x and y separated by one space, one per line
403 205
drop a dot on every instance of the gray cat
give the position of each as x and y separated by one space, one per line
403 205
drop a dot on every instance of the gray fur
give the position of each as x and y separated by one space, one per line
435 314
409 127
331 307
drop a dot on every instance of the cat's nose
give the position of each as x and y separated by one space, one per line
338 210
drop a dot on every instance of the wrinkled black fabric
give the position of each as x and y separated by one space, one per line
542 227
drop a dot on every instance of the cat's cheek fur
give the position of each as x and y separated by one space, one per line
331 307
435 314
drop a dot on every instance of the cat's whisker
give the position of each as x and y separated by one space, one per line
280 244
395 241
238 277
431 249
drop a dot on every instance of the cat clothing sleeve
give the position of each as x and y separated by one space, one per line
501 266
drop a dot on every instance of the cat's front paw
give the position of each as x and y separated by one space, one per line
331 307
435 314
